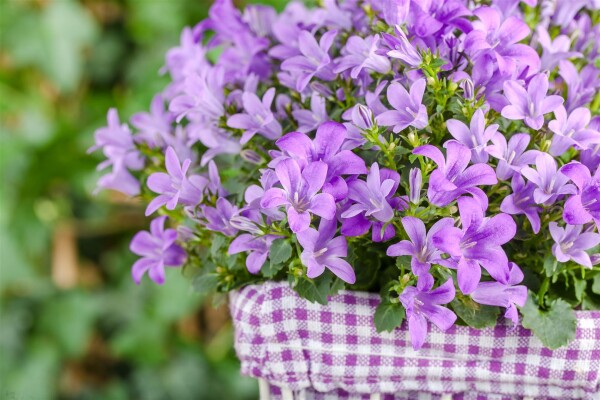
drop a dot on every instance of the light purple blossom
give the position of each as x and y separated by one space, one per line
423 305
258 248
401 48
453 178
218 218
475 136
477 244
550 183
395 11
512 156
420 247
155 126
314 61
531 104
174 187
361 54
505 295
521 201
258 117
408 108
202 97
309 120
299 193
554 50
571 131
571 243
582 85
320 250
158 250
584 206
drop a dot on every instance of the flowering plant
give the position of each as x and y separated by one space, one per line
443 153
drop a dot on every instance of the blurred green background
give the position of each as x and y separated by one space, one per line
73 325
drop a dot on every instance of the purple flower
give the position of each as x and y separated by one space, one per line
257 118
401 48
530 104
415 183
360 53
174 187
118 146
521 202
504 294
550 183
321 250
213 185
409 111
512 156
423 305
452 178
584 206
492 35
299 193
395 11
158 250
155 126
554 50
202 96
476 136
257 247
477 244
571 243
571 131
420 247
326 147
218 218
582 86
309 120
314 61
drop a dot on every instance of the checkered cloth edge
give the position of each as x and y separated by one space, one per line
334 352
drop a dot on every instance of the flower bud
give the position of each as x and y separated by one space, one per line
244 224
468 89
415 183
362 117
251 156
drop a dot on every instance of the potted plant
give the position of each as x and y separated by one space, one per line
360 174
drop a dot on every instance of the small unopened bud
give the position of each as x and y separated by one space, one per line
468 89
362 117
244 224
251 156
595 259
415 183
413 139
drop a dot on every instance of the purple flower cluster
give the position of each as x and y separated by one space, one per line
441 133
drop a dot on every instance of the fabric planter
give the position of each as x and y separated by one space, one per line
303 350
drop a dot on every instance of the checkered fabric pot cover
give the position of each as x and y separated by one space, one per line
303 350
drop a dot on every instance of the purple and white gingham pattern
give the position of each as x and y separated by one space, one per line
334 352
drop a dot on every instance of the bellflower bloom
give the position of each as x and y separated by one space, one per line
395 11
420 247
477 244
453 178
504 294
475 136
582 85
314 61
512 156
554 50
401 48
423 305
415 183
309 120
258 117
409 110
571 131
500 38
218 218
174 187
584 206
521 202
258 248
571 243
299 193
531 104
550 183
321 250
155 126
158 250
360 54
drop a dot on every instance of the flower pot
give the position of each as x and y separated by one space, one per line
305 350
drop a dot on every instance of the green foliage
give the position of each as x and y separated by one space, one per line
473 314
388 316
555 325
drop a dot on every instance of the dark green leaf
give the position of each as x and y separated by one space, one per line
388 316
281 251
205 284
217 243
580 285
473 314
555 327
596 284
550 265
269 269
314 290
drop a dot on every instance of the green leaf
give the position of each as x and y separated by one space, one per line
217 243
555 327
580 285
388 316
281 251
314 290
596 284
205 284
550 265
269 269
473 314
